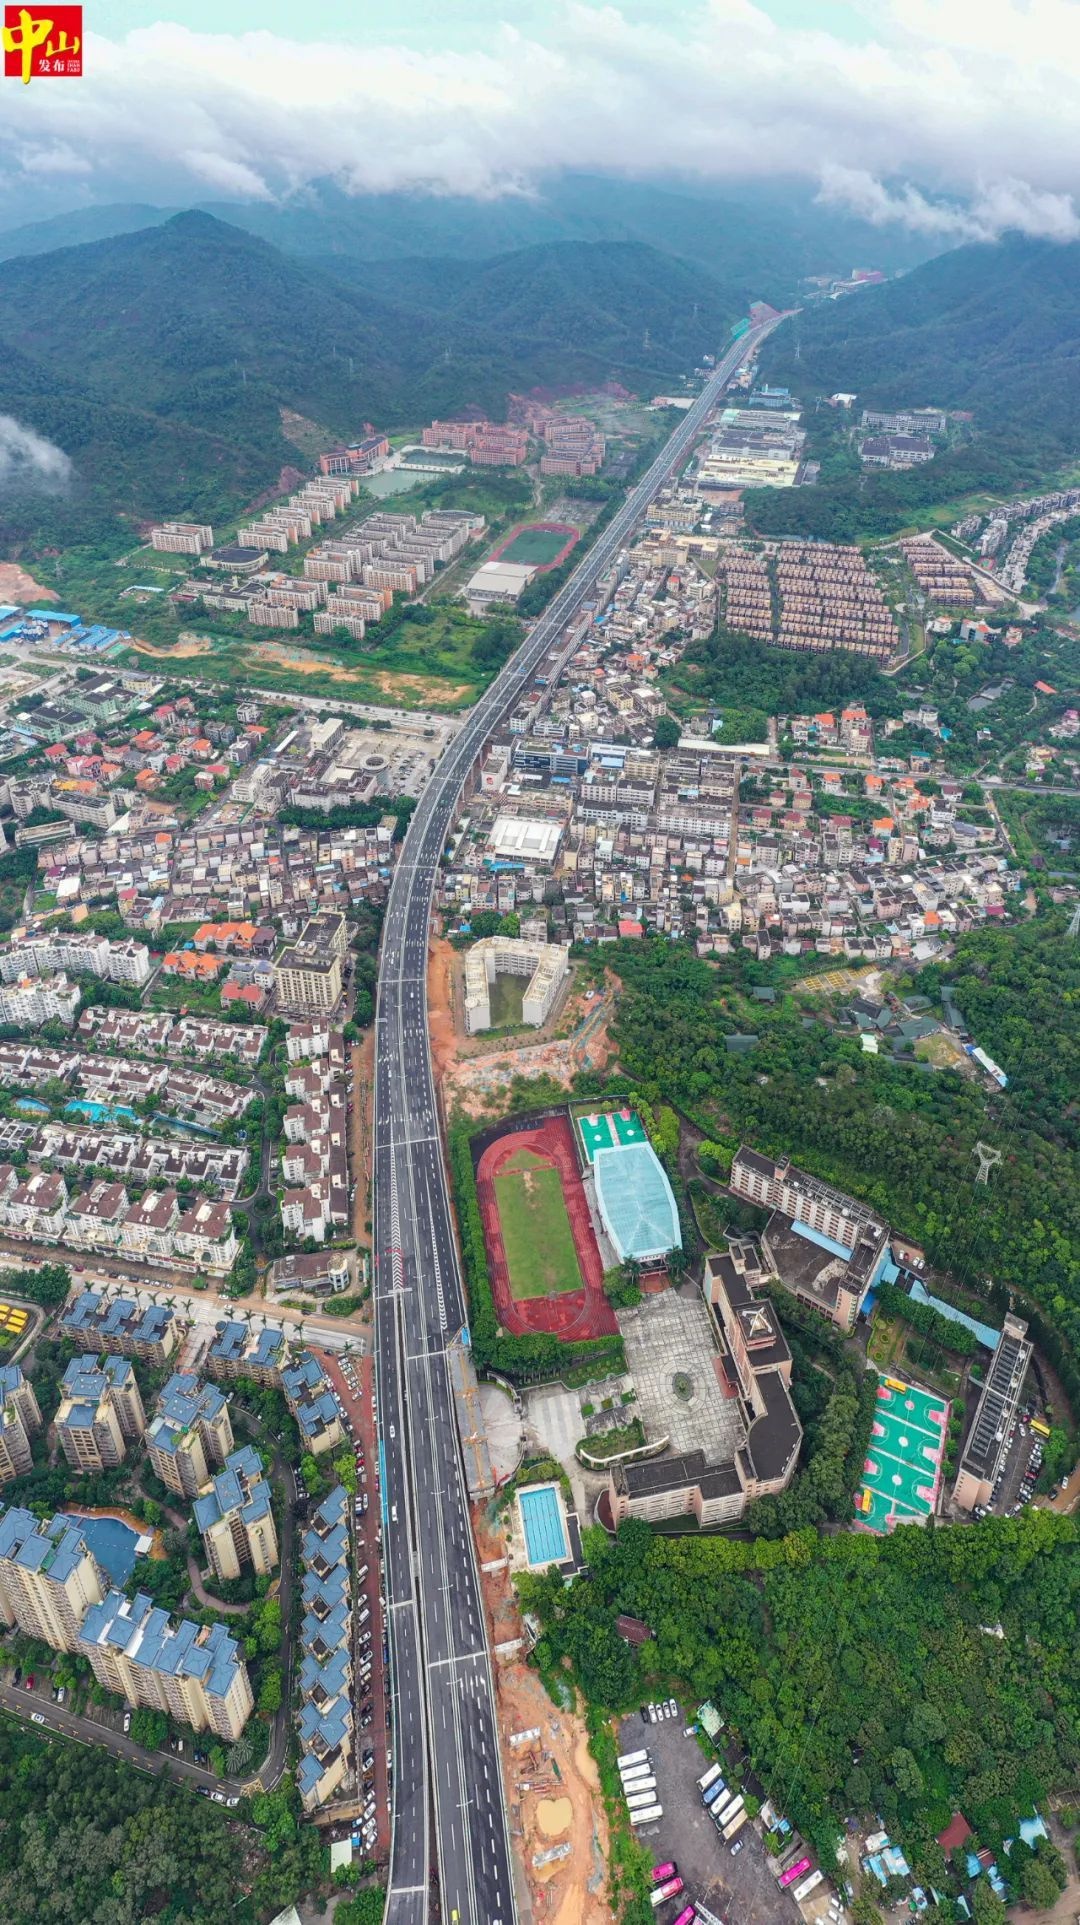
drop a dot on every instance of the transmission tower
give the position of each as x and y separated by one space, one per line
988 1160
1074 924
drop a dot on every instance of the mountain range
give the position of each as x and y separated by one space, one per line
161 359
988 331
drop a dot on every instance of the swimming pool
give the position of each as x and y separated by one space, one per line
101 1112
30 1106
542 1522
114 1544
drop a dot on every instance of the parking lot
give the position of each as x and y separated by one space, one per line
740 1887
1024 1455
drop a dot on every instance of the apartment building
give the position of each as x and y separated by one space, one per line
326 1719
20 1420
32 1000
312 1403
182 538
307 980
987 1444
236 1518
83 954
239 1351
191 1433
100 1413
545 965
192 1672
121 1326
825 1247
48 1578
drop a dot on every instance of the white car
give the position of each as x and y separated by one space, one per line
36 1718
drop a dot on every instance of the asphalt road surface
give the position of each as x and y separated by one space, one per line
446 1769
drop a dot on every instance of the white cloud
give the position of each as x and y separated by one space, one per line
953 120
28 457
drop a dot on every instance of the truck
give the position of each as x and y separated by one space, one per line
647 1817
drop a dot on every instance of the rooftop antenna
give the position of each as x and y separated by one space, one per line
988 1160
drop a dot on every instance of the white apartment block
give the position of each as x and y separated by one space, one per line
545 964
182 538
48 1578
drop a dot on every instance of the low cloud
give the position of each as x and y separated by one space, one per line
954 121
27 458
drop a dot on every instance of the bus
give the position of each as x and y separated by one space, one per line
710 1778
635 1773
736 1824
687 1917
808 1885
660 1873
1040 1429
632 1758
798 1870
670 1889
724 1813
715 1792
893 1383
648 1816
634 1790
637 1800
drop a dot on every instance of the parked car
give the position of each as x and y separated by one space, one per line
36 1718
127 1721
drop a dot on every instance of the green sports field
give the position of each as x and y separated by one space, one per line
537 1237
536 545
902 1475
610 1129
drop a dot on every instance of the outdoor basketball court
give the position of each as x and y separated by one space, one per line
609 1130
902 1472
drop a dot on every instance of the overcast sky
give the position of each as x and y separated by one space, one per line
957 117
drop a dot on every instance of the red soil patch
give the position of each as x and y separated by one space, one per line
573 1314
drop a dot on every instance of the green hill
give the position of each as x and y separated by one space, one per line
160 360
993 330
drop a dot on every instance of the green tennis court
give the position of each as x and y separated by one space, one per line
609 1129
902 1474
540 1255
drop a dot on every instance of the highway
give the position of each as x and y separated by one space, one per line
445 1759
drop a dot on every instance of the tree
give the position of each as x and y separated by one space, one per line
666 733
987 1908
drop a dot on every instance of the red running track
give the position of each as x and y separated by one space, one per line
571 1315
573 536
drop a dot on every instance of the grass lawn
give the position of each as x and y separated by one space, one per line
537 545
539 1243
507 998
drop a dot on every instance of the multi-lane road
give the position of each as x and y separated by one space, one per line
446 1772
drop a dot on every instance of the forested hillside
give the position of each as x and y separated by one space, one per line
901 1141
993 330
160 360
856 1670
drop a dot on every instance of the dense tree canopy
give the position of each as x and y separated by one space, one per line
864 1675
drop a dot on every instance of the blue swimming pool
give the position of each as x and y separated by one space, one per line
30 1106
112 1543
100 1112
542 1522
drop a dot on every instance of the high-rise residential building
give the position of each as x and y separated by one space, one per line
120 1325
190 1434
48 1578
20 1420
313 1404
192 1672
239 1351
236 1519
101 1412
